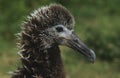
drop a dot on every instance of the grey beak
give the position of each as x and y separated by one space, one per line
75 43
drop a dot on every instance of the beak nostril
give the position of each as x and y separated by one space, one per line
76 40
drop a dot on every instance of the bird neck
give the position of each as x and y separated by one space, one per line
43 63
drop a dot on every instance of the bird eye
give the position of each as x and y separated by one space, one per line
59 29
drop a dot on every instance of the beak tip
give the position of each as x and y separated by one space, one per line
92 56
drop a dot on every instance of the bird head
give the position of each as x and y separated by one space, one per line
55 24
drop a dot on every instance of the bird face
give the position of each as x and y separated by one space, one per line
54 24
65 36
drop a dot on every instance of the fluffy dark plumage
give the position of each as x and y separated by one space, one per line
40 55
46 17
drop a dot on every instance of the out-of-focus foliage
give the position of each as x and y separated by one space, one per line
97 22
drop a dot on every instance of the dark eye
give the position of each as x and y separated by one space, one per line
59 29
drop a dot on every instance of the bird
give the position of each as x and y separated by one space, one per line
44 30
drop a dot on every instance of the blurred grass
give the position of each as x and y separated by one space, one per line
97 24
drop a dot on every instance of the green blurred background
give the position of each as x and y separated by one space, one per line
97 24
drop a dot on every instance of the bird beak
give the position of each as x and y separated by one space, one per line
75 43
